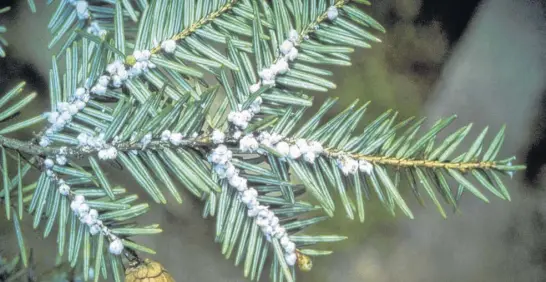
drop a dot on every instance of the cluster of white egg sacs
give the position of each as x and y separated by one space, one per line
265 218
64 114
90 217
349 165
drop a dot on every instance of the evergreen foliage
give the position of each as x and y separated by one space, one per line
3 29
212 96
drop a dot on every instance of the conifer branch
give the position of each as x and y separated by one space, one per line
154 144
240 158
198 24
401 162
3 29
80 17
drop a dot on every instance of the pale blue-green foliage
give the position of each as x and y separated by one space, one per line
221 47
3 29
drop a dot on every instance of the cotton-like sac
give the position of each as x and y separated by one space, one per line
254 87
248 143
116 246
365 166
168 46
283 148
332 13
286 47
218 136
64 189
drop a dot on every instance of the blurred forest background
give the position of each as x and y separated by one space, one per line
483 60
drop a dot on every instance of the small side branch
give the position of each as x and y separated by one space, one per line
26 147
197 25
382 160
